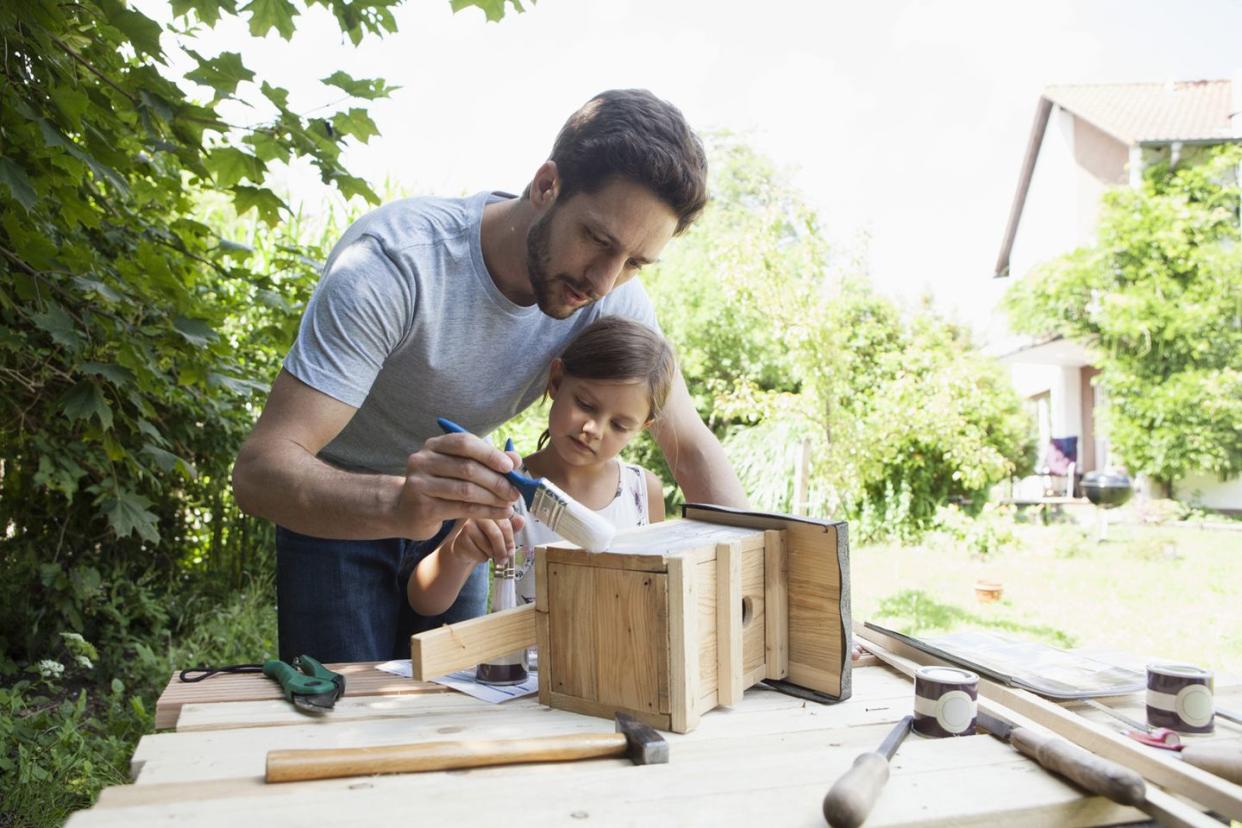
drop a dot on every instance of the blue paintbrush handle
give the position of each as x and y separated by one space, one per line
526 485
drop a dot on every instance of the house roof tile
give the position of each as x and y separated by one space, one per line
1139 113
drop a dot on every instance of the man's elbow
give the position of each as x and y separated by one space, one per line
244 488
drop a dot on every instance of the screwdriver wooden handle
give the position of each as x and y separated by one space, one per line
329 763
1223 760
853 796
1094 773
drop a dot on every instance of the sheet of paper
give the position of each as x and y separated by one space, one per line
465 681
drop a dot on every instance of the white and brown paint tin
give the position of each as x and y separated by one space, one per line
945 701
1179 697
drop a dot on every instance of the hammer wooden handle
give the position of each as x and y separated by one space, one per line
1223 760
853 796
329 763
1097 775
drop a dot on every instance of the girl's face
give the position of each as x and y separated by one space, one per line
592 420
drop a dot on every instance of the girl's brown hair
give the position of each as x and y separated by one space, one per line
615 348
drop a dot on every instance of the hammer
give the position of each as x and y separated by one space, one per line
640 742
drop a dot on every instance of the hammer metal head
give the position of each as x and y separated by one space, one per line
643 743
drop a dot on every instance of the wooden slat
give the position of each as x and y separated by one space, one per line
728 624
683 644
631 640
818 617
198 717
361 679
754 619
543 633
571 622
1176 776
776 605
705 627
453 647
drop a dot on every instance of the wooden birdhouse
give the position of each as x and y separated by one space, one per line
676 618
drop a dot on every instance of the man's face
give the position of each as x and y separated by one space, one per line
582 248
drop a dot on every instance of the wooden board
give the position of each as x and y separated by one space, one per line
817 593
768 760
441 651
361 679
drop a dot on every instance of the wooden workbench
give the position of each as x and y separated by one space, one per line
767 761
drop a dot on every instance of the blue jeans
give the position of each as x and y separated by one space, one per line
342 600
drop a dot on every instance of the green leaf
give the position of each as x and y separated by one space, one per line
196 331
14 177
53 138
230 165
355 122
237 385
116 374
222 73
142 31
84 401
60 325
72 103
261 199
208 11
276 94
494 9
129 514
266 15
169 462
351 186
366 88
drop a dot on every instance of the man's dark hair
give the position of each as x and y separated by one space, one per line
632 134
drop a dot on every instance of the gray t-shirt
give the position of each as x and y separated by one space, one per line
407 325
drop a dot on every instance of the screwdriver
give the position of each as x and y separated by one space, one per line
852 797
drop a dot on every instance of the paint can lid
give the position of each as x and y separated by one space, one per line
946 675
1179 671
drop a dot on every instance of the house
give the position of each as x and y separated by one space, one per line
1085 140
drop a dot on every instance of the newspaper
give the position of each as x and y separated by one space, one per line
1048 671
465 681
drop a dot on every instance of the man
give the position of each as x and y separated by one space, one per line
455 308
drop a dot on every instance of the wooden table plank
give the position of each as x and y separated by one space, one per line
769 760
361 679
967 781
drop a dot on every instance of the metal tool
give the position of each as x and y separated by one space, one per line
1223 760
306 683
1157 737
633 739
853 796
1094 773
1232 715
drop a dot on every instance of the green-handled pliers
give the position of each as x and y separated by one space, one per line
306 683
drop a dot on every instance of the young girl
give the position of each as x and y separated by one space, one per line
609 384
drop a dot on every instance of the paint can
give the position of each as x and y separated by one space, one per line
945 701
1179 697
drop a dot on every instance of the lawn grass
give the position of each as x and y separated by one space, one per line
1169 591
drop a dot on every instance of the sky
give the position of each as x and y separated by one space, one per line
902 123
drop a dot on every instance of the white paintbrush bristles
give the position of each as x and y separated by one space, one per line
570 519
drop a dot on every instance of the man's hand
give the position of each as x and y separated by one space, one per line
475 541
458 476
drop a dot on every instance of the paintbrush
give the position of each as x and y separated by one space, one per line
558 511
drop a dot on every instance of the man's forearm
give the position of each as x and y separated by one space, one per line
298 491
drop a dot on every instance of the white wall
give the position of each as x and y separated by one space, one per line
1207 490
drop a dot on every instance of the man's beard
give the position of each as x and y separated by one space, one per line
549 289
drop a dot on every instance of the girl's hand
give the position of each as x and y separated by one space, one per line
477 541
